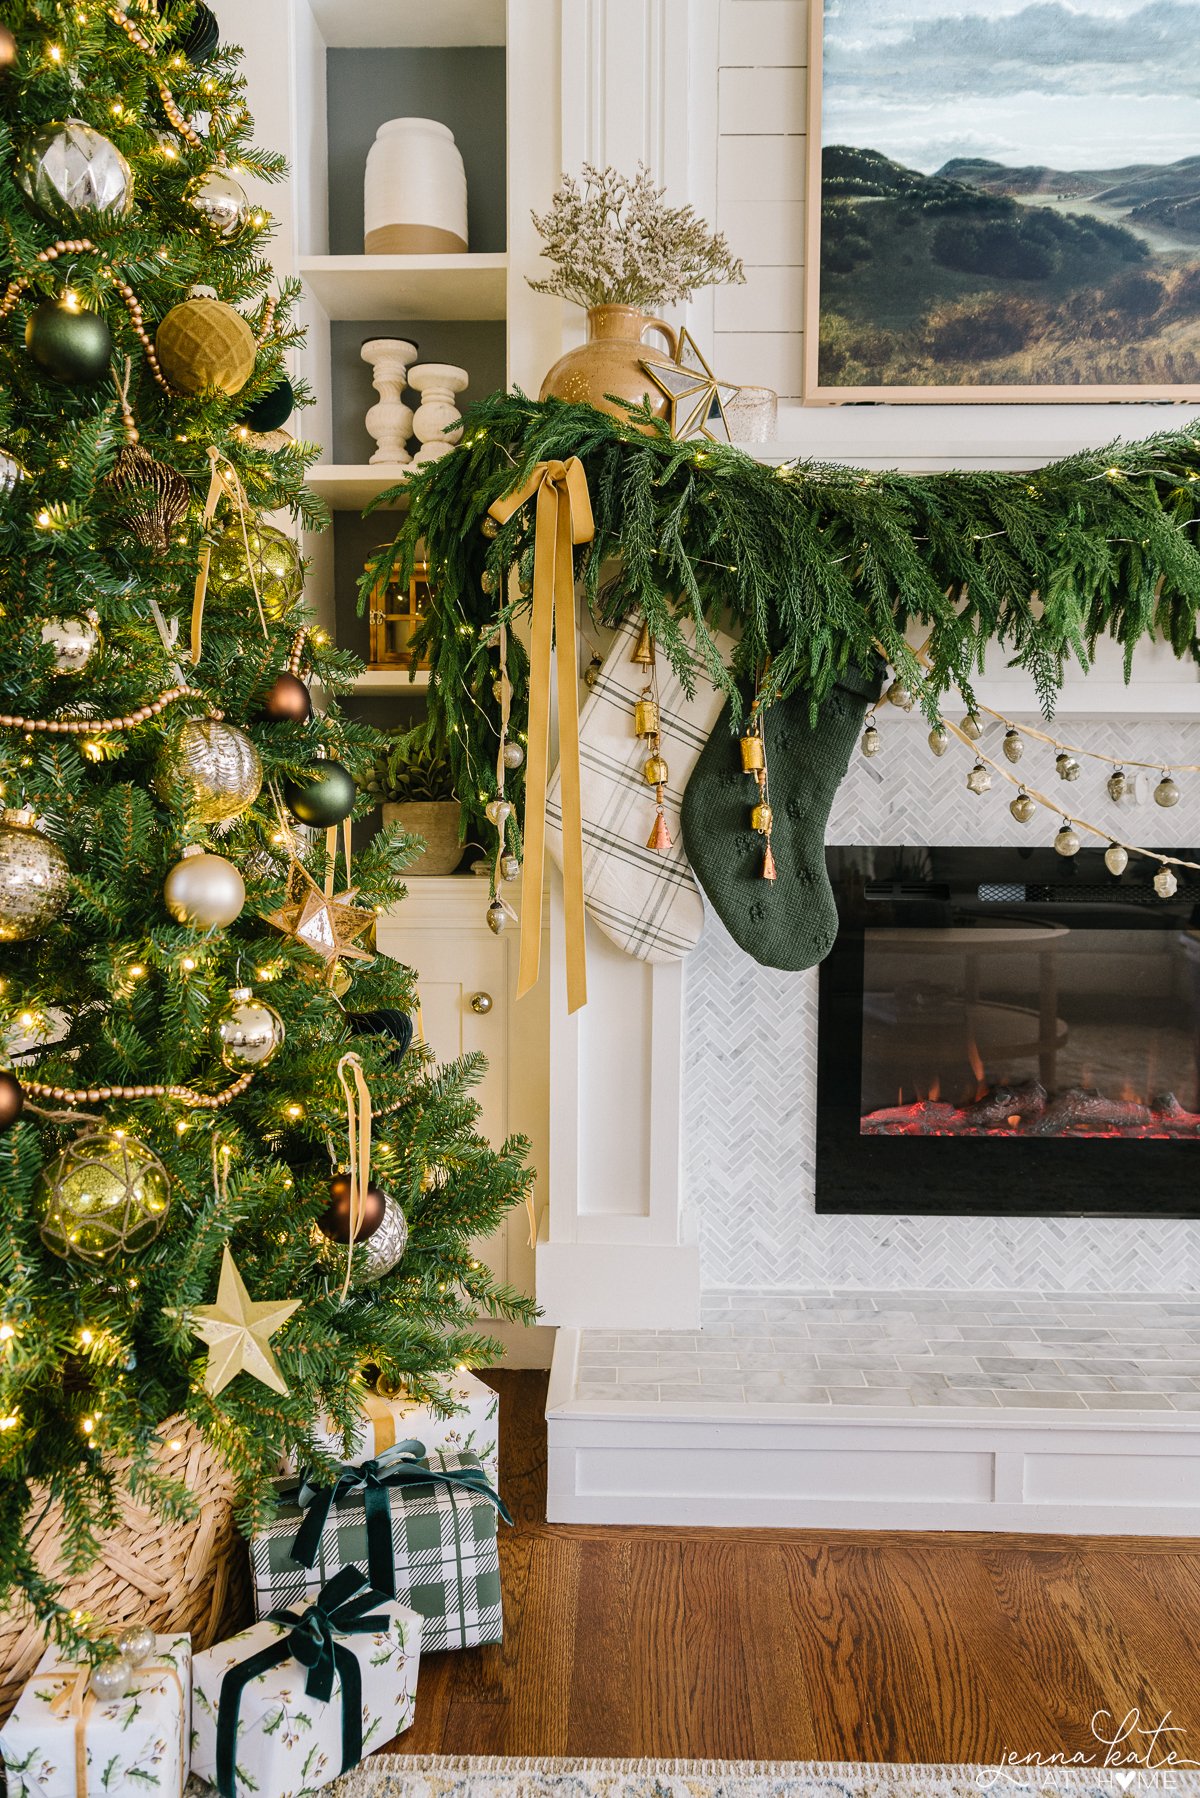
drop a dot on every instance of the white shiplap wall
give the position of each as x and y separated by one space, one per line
761 105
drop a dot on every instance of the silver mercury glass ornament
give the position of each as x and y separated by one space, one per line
35 878
1022 807
971 727
514 755
1116 859
1165 883
136 1642
870 744
73 641
110 1679
1014 745
1066 767
979 780
250 1031
1118 784
1067 842
939 740
220 200
384 1248
69 168
497 917
1166 793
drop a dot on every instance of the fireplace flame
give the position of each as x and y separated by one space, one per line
976 1061
935 1091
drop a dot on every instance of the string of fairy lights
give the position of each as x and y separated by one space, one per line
1069 760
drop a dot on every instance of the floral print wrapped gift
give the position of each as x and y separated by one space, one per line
302 1696
61 1742
474 1426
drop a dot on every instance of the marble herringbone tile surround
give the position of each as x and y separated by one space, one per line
905 1351
750 1064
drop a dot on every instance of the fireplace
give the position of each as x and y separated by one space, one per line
1008 1032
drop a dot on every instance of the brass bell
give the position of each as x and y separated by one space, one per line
761 818
656 771
753 754
645 718
643 649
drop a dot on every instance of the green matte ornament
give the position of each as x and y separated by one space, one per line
324 797
68 342
789 921
272 409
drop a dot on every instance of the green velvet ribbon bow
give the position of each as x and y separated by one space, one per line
340 1609
404 1464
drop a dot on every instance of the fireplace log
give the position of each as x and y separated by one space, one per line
1004 1102
1081 1107
925 1117
1170 1114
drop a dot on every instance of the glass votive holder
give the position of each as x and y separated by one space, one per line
753 415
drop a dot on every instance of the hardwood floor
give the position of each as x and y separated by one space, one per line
806 1645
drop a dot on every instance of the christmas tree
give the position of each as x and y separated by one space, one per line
188 953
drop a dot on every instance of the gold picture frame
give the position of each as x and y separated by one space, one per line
1064 343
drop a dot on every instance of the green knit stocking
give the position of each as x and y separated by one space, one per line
789 922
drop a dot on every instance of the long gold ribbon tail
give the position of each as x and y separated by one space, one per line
563 519
358 1130
224 483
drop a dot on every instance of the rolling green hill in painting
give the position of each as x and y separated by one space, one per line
985 274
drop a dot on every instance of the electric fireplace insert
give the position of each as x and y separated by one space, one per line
1009 1032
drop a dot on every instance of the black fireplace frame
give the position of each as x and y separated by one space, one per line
945 1176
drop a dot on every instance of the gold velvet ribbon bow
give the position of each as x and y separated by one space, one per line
564 518
225 483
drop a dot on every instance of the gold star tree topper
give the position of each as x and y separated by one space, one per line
238 1332
696 399
326 923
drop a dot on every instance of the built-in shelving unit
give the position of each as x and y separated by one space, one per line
351 486
408 287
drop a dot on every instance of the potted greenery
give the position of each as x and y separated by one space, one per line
413 783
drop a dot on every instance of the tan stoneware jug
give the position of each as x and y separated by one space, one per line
610 362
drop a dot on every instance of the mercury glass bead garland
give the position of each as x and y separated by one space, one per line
104 1195
35 880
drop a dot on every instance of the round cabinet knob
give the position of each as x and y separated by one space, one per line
482 1003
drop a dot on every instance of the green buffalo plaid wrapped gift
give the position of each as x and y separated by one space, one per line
422 1526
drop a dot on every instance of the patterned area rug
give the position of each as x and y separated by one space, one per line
437 1776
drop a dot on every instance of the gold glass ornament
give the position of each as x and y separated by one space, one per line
154 496
1066 767
213 767
67 169
204 345
1066 842
1166 793
1165 883
1023 808
979 780
870 744
73 642
220 201
972 727
35 879
497 917
1116 859
1118 784
331 927
656 771
498 812
250 1031
510 867
274 561
105 1194
1014 745
898 694
203 890
939 740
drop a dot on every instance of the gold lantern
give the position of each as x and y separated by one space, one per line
396 610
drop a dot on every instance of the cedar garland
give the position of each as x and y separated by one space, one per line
816 564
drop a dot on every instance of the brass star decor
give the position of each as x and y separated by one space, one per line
329 925
238 1332
696 400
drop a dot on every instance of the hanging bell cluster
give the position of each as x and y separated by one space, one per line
646 726
753 751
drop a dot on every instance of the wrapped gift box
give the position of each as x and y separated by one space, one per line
60 1742
475 1427
287 1737
438 1547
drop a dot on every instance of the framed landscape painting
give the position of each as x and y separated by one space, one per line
1003 201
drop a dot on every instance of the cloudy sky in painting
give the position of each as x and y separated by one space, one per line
1070 83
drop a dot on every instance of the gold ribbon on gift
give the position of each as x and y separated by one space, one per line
224 483
564 518
358 1129
76 1702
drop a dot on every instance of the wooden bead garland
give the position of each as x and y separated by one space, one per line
96 727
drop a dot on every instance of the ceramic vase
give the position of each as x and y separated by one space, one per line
389 421
415 196
610 362
437 421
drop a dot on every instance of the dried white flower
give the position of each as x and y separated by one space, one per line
613 242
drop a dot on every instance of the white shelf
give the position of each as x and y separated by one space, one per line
468 286
408 24
351 486
392 680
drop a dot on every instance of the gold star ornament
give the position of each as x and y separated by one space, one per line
328 924
238 1332
696 400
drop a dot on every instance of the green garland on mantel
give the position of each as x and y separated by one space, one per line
812 564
